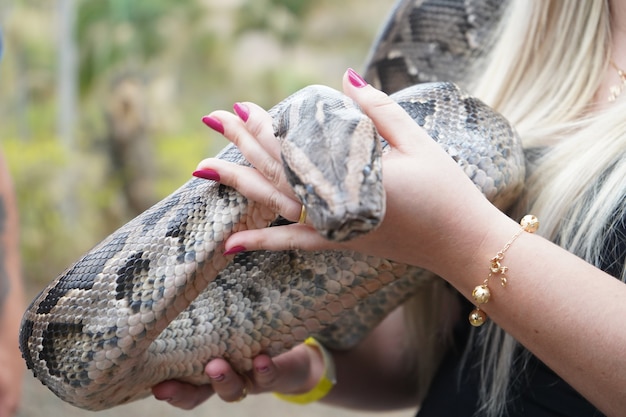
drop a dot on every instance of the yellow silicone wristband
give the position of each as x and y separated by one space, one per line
324 385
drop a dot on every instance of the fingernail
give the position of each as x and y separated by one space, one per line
167 399
234 250
242 111
207 174
217 378
355 79
262 369
213 123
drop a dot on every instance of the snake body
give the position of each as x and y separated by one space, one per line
157 299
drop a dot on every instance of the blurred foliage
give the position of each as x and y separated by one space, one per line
281 18
38 174
191 57
111 31
49 242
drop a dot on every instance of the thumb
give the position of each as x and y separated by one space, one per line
392 122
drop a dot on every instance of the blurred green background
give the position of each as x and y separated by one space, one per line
101 100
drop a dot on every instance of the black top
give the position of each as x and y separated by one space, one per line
538 392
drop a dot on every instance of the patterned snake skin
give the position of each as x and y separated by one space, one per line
156 300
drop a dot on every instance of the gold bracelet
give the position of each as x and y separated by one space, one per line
324 385
481 293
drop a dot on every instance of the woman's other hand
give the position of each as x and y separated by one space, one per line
293 372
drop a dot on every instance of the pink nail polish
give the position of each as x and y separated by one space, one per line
213 123
242 111
262 369
355 79
234 250
207 174
218 378
166 399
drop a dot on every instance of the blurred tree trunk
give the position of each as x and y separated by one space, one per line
21 90
66 93
130 148
67 73
17 112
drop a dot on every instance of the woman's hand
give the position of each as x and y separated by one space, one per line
432 206
377 374
293 372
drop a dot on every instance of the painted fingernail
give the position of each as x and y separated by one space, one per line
218 378
166 399
242 111
207 174
213 123
234 250
262 369
355 79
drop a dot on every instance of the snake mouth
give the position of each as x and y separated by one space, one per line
345 221
350 228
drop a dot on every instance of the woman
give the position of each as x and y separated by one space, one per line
554 73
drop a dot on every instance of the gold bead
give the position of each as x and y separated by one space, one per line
477 318
481 294
530 223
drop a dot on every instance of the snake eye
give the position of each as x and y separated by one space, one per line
367 170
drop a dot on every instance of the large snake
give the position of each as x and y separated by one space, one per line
157 300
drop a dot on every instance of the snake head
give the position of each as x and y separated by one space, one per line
332 159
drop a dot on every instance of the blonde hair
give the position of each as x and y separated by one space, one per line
543 74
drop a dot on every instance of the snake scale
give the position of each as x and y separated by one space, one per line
157 299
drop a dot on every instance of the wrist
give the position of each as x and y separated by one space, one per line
322 375
475 240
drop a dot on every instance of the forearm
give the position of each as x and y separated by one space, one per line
377 374
558 306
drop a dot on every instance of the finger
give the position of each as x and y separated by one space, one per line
265 373
286 373
251 146
228 385
289 237
252 185
392 122
182 395
260 125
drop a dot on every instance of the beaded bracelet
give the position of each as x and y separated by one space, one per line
481 293
324 385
